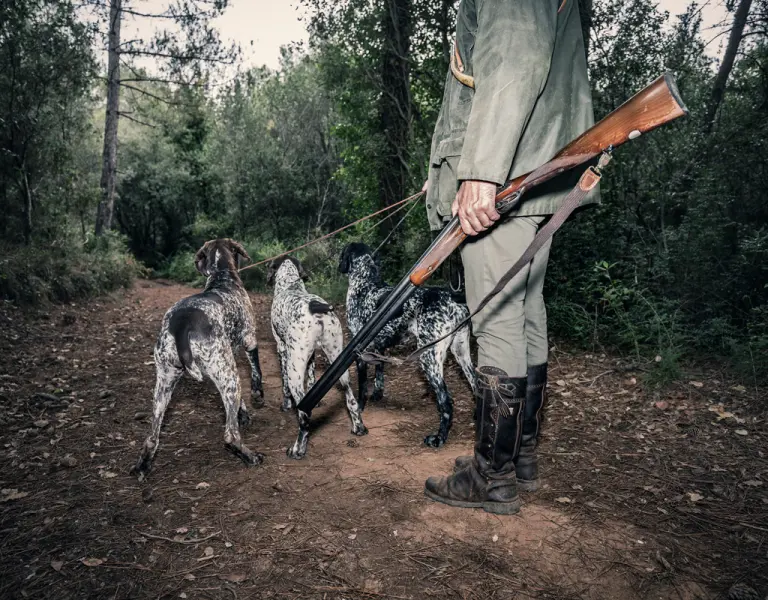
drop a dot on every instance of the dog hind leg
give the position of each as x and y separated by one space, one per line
432 364
167 377
461 352
225 377
332 343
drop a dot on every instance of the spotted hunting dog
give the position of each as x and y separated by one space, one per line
199 336
301 323
428 315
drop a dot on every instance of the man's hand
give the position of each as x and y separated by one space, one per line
475 204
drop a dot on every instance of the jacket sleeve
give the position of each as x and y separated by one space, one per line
510 63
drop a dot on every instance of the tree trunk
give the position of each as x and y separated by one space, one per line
585 13
446 27
718 89
395 103
109 165
27 207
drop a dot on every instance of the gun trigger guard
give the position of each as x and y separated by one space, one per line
505 206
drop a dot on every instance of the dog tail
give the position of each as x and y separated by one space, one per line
184 349
181 325
319 308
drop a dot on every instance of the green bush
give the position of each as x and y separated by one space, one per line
66 270
181 268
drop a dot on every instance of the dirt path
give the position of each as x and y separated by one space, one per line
647 496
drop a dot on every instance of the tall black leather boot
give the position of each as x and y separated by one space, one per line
527 466
489 481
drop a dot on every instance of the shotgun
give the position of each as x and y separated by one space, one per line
657 104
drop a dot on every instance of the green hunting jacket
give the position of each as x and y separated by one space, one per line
531 97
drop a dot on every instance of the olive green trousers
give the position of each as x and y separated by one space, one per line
511 330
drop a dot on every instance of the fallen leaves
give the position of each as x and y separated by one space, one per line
564 500
741 432
234 577
208 554
203 485
91 562
7 495
68 461
694 496
723 414
56 565
696 384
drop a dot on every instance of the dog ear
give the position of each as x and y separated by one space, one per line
271 270
303 273
238 250
344 260
201 261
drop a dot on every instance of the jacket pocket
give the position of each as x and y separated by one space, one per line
442 189
449 147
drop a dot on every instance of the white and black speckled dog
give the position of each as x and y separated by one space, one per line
429 314
200 335
301 323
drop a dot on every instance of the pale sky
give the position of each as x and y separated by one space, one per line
262 26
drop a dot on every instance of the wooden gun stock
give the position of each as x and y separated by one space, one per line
657 104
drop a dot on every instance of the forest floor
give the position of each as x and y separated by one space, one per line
648 495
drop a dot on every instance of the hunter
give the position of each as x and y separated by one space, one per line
517 91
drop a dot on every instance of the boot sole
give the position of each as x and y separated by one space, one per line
496 508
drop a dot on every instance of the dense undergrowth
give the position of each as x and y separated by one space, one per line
66 270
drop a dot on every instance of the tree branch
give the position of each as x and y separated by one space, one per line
135 120
151 95
162 80
188 57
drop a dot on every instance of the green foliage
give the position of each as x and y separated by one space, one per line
46 70
66 270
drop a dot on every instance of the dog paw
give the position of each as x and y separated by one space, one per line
434 441
141 470
247 456
140 475
243 418
294 453
360 431
254 458
377 396
257 391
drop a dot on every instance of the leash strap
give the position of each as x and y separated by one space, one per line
587 182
